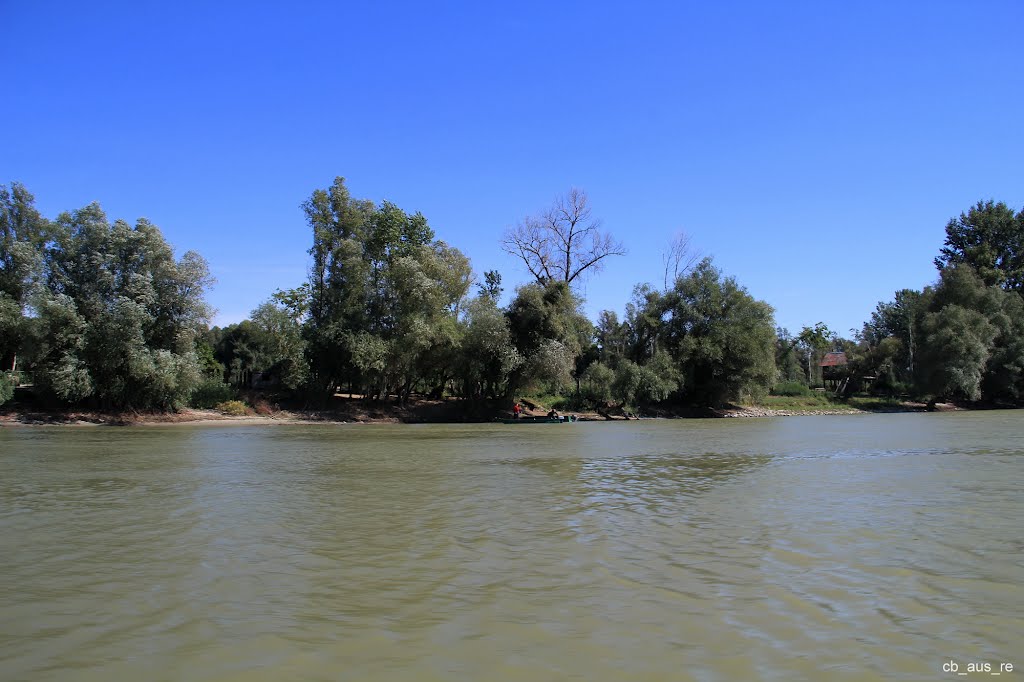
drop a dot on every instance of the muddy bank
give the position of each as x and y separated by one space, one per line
422 411
341 411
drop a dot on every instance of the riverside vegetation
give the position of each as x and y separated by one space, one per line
101 315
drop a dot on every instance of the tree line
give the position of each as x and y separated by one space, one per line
102 314
961 338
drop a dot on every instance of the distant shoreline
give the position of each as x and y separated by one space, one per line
364 413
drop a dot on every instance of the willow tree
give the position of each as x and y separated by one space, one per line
119 315
23 237
972 339
549 331
721 339
384 297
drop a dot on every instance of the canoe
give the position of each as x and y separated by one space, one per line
566 419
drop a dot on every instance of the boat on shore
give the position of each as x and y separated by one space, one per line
543 419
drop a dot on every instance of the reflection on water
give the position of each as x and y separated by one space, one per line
873 547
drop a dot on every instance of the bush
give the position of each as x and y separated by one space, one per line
792 389
232 408
263 408
6 388
211 392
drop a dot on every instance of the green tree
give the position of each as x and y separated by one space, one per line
283 347
244 349
720 338
813 342
551 364
6 387
59 369
972 335
12 332
786 358
539 315
491 286
384 298
488 354
427 288
596 383
208 362
338 280
958 345
897 320
23 237
612 337
990 239
132 314
643 323
626 382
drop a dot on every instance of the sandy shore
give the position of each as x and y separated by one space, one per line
188 416
357 412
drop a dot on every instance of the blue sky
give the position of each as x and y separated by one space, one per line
815 149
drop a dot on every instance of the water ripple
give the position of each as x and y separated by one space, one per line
847 548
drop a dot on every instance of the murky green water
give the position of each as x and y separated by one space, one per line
854 547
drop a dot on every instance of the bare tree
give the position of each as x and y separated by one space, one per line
679 258
563 242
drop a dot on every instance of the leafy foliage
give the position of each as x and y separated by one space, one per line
232 408
130 313
211 391
972 338
596 383
990 238
488 355
792 389
385 297
962 338
6 387
720 338
101 311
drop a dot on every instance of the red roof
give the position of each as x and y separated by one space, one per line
833 359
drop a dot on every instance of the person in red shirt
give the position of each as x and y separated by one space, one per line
516 410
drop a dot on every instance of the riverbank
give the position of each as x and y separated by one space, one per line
342 410
426 411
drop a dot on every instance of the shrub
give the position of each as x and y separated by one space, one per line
792 389
6 388
596 383
211 392
232 408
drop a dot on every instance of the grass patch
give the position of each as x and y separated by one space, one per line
870 403
792 389
808 402
546 400
821 401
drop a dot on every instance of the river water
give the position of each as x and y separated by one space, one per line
849 548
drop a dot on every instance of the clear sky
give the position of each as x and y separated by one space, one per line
815 149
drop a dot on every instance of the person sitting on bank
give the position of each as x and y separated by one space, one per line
517 409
